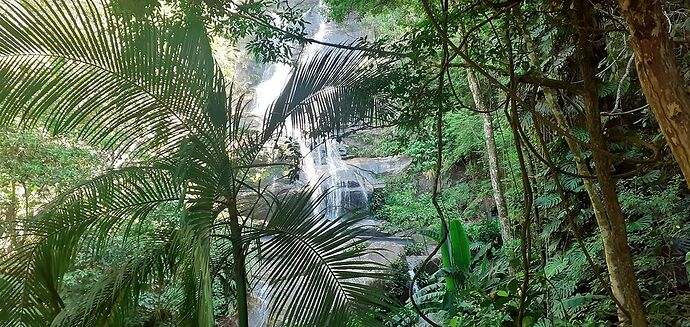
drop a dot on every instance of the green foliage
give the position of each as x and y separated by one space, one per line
340 10
398 285
150 91
150 243
563 289
407 208
484 296
372 144
415 248
548 201
658 233
248 21
402 208
34 159
486 231
34 168
463 136
455 255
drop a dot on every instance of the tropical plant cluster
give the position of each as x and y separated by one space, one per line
548 185
530 65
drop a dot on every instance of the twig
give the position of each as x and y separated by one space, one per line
619 91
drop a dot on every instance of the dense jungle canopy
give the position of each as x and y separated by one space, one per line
352 163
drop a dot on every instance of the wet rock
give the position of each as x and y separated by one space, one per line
369 170
385 251
382 165
355 199
415 262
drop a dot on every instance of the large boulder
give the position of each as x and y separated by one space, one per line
381 165
370 169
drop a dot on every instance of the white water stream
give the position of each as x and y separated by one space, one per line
321 163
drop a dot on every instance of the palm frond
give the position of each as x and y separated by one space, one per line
196 309
30 278
29 283
154 89
330 90
76 66
430 297
315 267
112 201
113 295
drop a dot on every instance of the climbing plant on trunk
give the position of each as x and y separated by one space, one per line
612 223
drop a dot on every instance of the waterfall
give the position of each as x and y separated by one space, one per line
321 163
347 187
415 286
259 309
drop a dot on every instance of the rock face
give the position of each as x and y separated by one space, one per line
386 250
360 176
382 165
348 183
369 169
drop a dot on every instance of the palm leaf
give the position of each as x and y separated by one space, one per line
113 294
154 89
29 282
314 266
331 90
196 309
76 66
30 278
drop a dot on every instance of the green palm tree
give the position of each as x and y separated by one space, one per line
150 92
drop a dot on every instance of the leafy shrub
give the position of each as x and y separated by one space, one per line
373 144
485 231
403 206
415 248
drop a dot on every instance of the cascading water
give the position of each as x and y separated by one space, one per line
347 190
259 309
321 163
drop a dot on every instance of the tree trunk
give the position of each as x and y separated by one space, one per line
601 211
239 269
27 201
658 73
499 197
11 219
612 224
551 99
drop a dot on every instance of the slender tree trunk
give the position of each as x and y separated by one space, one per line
612 225
658 73
11 218
239 269
499 197
551 99
27 200
537 215
28 212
